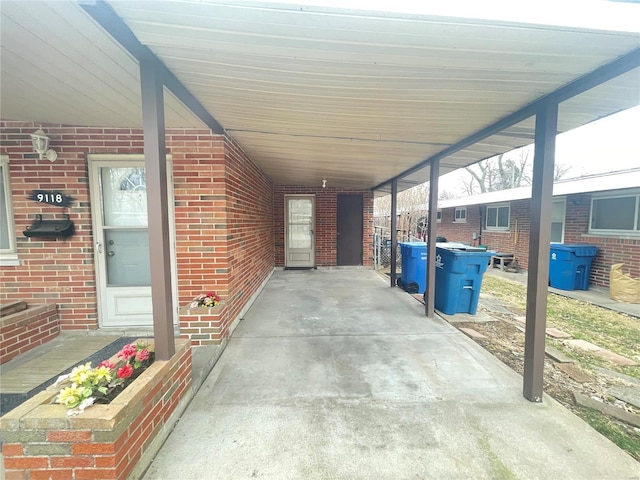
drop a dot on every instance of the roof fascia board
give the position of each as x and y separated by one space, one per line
580 85
106 17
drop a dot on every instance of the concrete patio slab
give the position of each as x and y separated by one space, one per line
614 357
582 345
473 333
556 333
334 375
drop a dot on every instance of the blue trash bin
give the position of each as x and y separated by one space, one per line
459 279
413 277
570 266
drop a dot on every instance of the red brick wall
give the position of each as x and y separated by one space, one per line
505 241
224 231
326 223
249 230
223 217
56 271
22 331
611 249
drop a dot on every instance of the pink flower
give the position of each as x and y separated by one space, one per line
125 372
142 355
108 364
127 351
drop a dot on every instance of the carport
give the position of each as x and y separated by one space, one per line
374 100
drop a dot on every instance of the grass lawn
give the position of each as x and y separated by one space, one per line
611 330
614 331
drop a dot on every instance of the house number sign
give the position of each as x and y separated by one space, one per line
52 198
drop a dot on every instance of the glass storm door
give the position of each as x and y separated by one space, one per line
121 243
299 231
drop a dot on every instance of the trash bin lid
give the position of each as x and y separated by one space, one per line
413 244
459 246
579 250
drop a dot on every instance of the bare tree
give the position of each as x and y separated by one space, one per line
505 171
509 170
560 171
411 209
446 195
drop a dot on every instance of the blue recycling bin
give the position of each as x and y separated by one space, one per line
570 266
413 277
459 279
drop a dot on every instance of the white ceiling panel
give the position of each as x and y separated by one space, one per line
58 66
312 93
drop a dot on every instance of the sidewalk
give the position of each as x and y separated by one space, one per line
595 295
334 375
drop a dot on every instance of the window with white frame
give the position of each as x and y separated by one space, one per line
460 215
8 254
497 217
558 208
615 214
438 216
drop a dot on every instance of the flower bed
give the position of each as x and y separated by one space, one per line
113 441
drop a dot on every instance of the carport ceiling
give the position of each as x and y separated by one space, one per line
310 93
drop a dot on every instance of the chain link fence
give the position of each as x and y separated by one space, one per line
382 247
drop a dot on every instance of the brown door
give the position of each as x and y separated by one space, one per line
349 230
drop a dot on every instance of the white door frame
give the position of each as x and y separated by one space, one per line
95 161
304 258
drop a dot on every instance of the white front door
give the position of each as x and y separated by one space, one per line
299 231
121 250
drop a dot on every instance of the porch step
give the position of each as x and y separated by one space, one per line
7 309
34 371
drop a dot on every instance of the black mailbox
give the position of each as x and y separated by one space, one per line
50 228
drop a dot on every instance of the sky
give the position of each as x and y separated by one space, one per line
606 145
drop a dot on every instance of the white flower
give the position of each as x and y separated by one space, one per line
87 402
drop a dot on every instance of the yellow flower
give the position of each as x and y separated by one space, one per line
101 375
81 374
71 396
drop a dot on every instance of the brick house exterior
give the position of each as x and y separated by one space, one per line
229 223
613 247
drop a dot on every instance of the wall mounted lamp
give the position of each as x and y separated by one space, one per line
40 143
324 183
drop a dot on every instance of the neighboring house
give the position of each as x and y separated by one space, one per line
228 227
601 210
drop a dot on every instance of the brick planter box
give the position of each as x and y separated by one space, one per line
203 325
27 328
115 441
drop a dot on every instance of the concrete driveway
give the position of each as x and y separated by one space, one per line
334 375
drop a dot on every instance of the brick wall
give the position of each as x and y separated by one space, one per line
326 202
504 241
611 249
227 236
250 227
57 271
27 329
223 219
